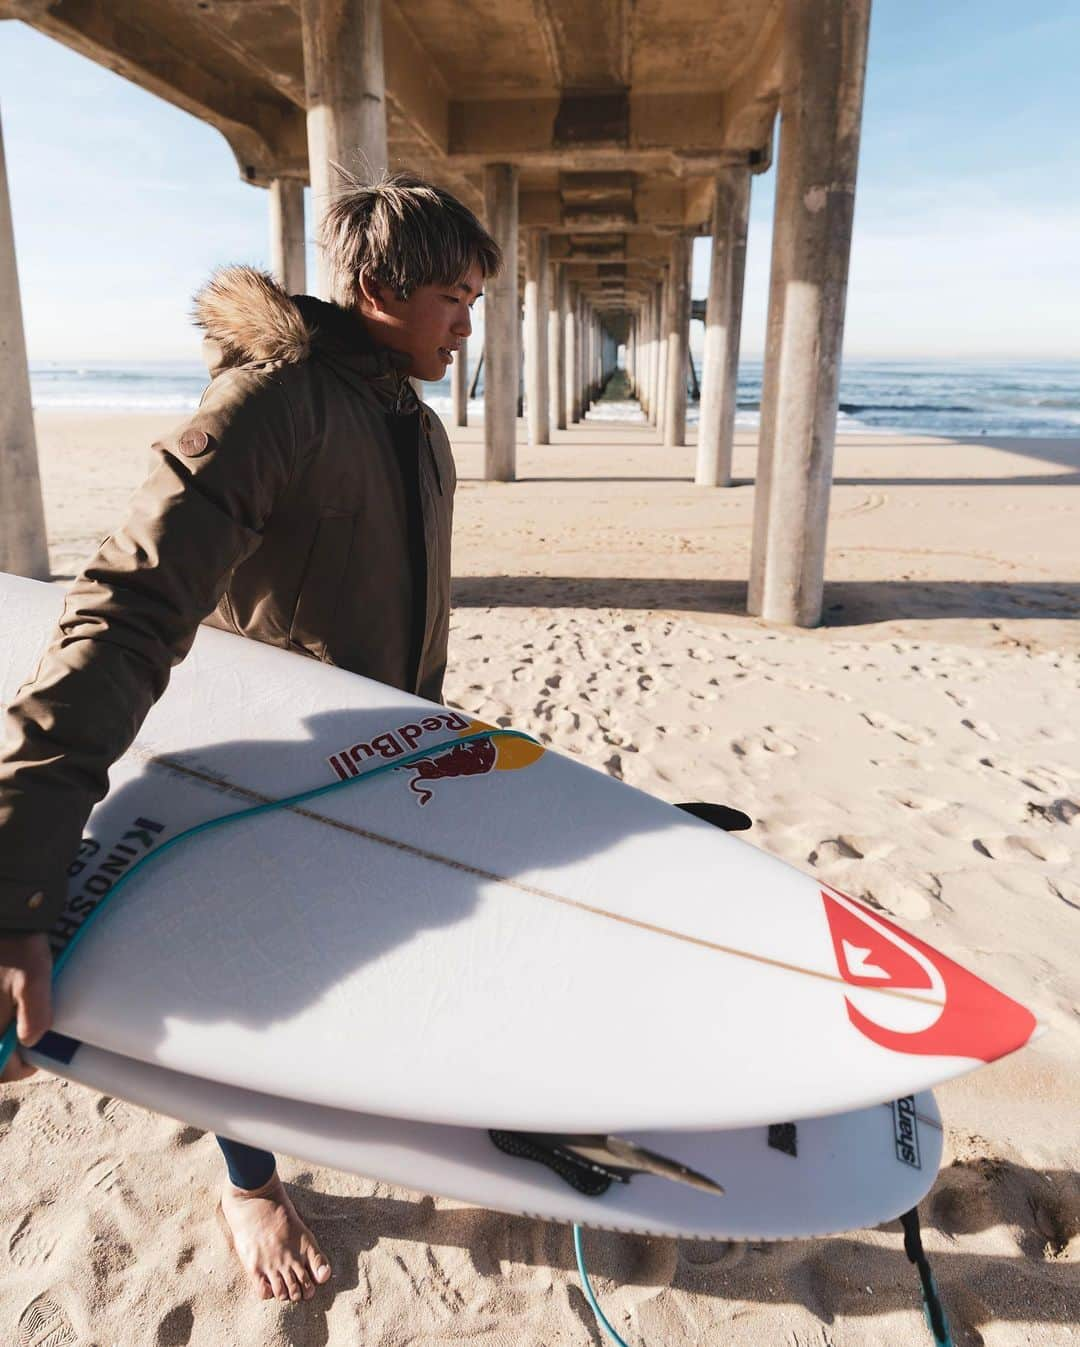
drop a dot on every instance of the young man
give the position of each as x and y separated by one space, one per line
307 503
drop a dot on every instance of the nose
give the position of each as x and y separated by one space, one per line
462 325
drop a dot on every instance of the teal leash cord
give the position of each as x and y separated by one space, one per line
586 1286
8 1043
933 1309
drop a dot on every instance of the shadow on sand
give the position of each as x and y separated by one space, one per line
846 1276
847 603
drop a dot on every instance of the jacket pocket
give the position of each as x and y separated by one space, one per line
321 584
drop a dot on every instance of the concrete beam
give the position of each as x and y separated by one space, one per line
536 339
723 321
346 94
648 130
23 549
153 48
825 66
502 327
288 252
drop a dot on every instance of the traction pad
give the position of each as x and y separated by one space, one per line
586 1176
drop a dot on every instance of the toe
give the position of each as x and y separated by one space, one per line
279 1286
317 1261
292 1281
262 1288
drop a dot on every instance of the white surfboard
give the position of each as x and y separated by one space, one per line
803 1179
482 934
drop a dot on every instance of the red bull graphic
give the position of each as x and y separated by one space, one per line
476 758
948 1012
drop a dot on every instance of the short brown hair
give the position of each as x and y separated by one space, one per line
402 232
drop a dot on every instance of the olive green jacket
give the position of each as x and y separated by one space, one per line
307 504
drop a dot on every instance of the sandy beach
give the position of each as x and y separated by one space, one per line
920 751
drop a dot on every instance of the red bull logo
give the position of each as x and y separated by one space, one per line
476 758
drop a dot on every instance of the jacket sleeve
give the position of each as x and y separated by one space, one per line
129 617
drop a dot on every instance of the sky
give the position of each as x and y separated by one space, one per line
967 216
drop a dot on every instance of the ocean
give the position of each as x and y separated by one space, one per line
928 397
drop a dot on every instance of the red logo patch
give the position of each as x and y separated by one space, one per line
949 1012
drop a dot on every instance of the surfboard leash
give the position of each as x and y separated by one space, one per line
913 1247
8 1042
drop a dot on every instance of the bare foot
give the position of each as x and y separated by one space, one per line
275 1247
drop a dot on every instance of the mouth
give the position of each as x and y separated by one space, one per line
447 353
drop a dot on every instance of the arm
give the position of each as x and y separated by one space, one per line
128 619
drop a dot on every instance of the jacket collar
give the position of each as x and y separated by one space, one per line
249 319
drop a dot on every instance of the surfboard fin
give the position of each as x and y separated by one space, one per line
591 1163
719 815
619 1152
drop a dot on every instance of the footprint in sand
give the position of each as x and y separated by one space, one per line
1012 847
982 729
849 847
33 1240
910 799
1062 810
909 897
104 1176
44 1324
1067 892
910 734
757 745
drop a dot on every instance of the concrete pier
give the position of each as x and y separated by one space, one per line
502 326
459 386
678 332
556 347
288 253
821 111
536 337
23 549
723 321
346 98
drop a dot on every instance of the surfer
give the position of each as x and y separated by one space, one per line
307 504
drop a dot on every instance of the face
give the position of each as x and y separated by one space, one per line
428 327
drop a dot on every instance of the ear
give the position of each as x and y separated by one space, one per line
372 296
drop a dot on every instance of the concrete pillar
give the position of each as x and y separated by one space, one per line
821 114
23 549
346 99
557 347
537 392
662 363
580 405
723 321
573 409
288 259
678 333
459 386
502 326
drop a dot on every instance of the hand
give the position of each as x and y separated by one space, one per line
26 992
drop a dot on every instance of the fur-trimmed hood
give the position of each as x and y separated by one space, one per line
249 319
